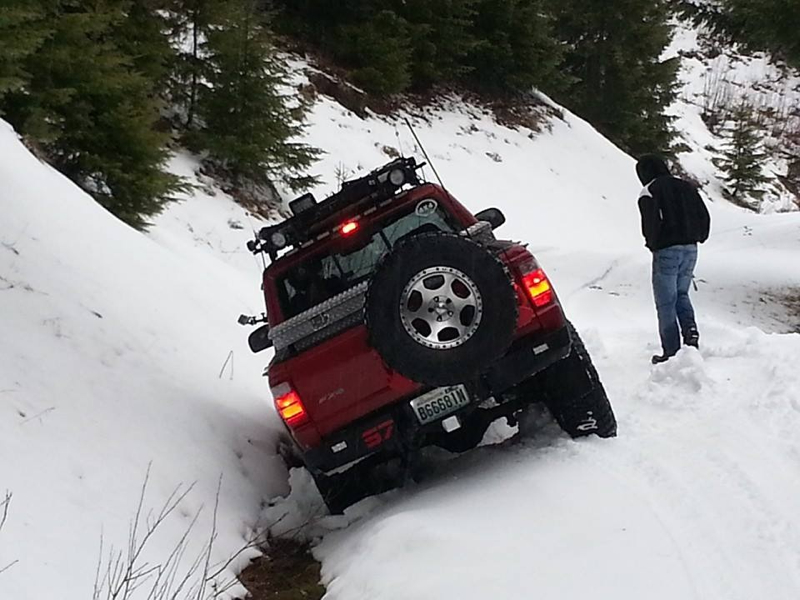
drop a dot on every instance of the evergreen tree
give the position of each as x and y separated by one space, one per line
743 157
619 82
92 113
377 48
370 38
247 122
22 31
442 39
515 47
390 46
189 24
756 25
143 35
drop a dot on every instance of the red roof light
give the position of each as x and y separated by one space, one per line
349 228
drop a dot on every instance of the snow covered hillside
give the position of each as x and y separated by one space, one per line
111 360
713 83
113 357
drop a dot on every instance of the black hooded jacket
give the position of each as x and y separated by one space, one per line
672 211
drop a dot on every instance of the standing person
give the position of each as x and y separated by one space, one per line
674 220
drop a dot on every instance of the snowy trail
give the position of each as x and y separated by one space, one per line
697 497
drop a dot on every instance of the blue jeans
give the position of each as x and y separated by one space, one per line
673 268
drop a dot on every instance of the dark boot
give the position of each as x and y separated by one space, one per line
692 338
660 358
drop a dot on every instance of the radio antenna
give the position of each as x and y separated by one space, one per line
425 154
399 141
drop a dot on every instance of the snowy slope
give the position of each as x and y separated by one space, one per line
112 347
694 499
716 82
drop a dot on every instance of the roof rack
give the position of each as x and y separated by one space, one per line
309 216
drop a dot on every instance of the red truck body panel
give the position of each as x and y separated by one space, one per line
343 379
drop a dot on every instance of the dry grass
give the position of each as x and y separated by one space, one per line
784 307
287 571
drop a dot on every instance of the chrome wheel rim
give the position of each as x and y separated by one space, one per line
441 308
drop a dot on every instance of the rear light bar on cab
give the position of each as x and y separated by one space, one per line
289 405
536 284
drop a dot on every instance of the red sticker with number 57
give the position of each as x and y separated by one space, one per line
375 436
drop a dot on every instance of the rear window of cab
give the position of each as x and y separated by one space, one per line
353 261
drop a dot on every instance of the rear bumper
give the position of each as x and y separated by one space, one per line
394 430
527 357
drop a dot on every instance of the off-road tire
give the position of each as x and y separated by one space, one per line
437 366
574 394
341 490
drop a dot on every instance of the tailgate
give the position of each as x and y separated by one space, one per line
343 379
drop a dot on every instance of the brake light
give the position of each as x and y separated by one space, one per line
349 228
289 405
538 288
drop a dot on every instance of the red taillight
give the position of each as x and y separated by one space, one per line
538 288
289 406
349 228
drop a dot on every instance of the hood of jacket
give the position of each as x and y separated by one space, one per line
649 167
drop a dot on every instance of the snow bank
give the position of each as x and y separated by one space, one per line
111 360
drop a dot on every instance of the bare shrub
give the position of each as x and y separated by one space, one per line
718 95
5 504
123 572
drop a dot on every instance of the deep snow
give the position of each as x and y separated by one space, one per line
114 341
112 348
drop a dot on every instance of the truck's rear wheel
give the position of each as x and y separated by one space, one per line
574 395
341 490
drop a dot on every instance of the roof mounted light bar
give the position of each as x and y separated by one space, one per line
309 217
303 203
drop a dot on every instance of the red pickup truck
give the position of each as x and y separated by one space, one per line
399 321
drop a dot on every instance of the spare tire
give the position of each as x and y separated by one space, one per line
440 309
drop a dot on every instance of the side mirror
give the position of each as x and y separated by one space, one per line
493 216
259 339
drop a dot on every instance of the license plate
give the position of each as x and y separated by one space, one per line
439 402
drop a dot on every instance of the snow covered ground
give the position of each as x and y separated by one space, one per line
113 357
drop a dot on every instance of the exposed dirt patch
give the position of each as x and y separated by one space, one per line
792 302
787 303
345 94
287 571
330 79
261 199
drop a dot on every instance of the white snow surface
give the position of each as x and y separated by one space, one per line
112 354
110 361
